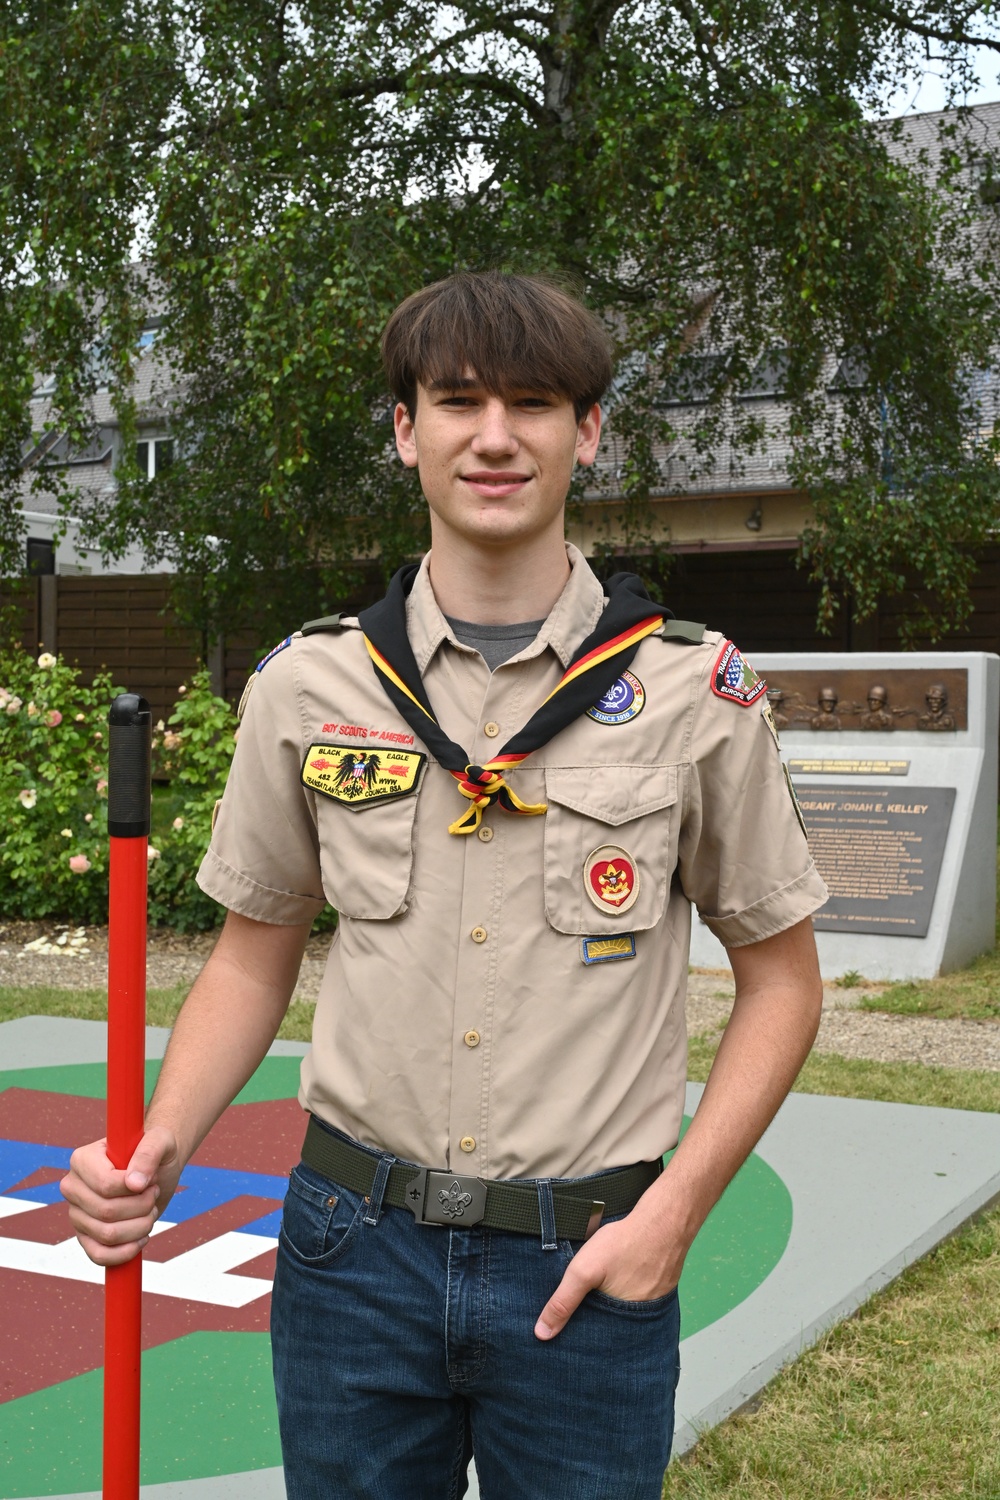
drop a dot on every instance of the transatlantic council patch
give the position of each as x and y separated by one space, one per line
361 778
607 950
625 699
611 879
733 677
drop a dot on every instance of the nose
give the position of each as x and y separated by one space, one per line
495 435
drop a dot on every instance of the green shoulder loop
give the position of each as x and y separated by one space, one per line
326 622
686 631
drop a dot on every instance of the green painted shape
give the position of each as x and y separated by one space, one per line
739 1245
276 1078
207 1409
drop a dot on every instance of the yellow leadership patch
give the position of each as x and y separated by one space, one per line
361 778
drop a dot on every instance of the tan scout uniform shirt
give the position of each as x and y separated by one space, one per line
457 1024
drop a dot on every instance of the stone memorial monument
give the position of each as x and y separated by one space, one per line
893 757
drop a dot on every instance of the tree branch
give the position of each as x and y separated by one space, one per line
399 83
932 33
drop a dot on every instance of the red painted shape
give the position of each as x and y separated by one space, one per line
264 1137
41 1178
39 1226
263 1266
53 1329
50 1119
207 1226
256 1138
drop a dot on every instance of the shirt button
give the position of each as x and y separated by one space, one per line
478 934
492 729
485 834
468 1143
472 1038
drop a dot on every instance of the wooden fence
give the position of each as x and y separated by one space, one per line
760 599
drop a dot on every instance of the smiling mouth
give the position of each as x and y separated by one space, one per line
491 482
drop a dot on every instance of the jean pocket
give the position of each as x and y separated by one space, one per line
320 1219
650 1308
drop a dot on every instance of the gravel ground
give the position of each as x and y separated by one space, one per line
31 953
850 1032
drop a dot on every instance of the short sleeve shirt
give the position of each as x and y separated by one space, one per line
510 1002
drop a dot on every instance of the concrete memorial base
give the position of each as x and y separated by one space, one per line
839 1197
898 790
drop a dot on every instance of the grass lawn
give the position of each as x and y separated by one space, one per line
161 1007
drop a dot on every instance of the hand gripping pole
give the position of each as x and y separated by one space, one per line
130 724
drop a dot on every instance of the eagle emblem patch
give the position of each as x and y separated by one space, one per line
624 700
611 879
733 677
361 778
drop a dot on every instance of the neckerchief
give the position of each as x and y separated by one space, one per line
630 615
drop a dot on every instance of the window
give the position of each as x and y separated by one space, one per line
851 374
695 380
769 377
41 556
46 387
153 456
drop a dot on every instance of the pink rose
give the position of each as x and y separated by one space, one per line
102 787
53 718
79 864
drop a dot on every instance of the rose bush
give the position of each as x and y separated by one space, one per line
53 788
53 761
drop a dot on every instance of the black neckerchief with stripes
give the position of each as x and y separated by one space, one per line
598 662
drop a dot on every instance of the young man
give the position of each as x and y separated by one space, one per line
510 785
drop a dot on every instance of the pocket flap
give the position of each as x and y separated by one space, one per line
613 794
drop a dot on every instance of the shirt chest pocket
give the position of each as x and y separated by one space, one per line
366 856
610 847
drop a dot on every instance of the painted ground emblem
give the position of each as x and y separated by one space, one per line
625 699
734 678
611 879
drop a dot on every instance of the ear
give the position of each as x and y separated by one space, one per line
588 436
406 442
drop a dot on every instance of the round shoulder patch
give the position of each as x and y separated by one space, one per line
734 678
625 699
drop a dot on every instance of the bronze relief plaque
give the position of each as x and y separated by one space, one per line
933 700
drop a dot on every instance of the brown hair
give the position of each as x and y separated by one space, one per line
513 332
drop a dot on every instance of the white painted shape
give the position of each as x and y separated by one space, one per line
11 1206
199 1275
868 1201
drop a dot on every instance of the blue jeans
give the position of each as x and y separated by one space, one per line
401 1349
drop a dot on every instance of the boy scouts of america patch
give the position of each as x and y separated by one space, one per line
361 778
625 699
733 677
611 879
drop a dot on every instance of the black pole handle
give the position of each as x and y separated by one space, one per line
129 767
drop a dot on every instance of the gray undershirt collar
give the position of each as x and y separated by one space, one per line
495 643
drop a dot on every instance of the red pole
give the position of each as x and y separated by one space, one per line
128 826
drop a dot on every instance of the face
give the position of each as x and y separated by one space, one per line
936 698
827 700
877 698
495 469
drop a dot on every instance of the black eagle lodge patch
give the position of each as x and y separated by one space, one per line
361 778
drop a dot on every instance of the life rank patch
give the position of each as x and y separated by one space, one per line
607 950
733 677
361 778
611 879
625 699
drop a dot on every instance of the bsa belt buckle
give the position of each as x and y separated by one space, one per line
443 1198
